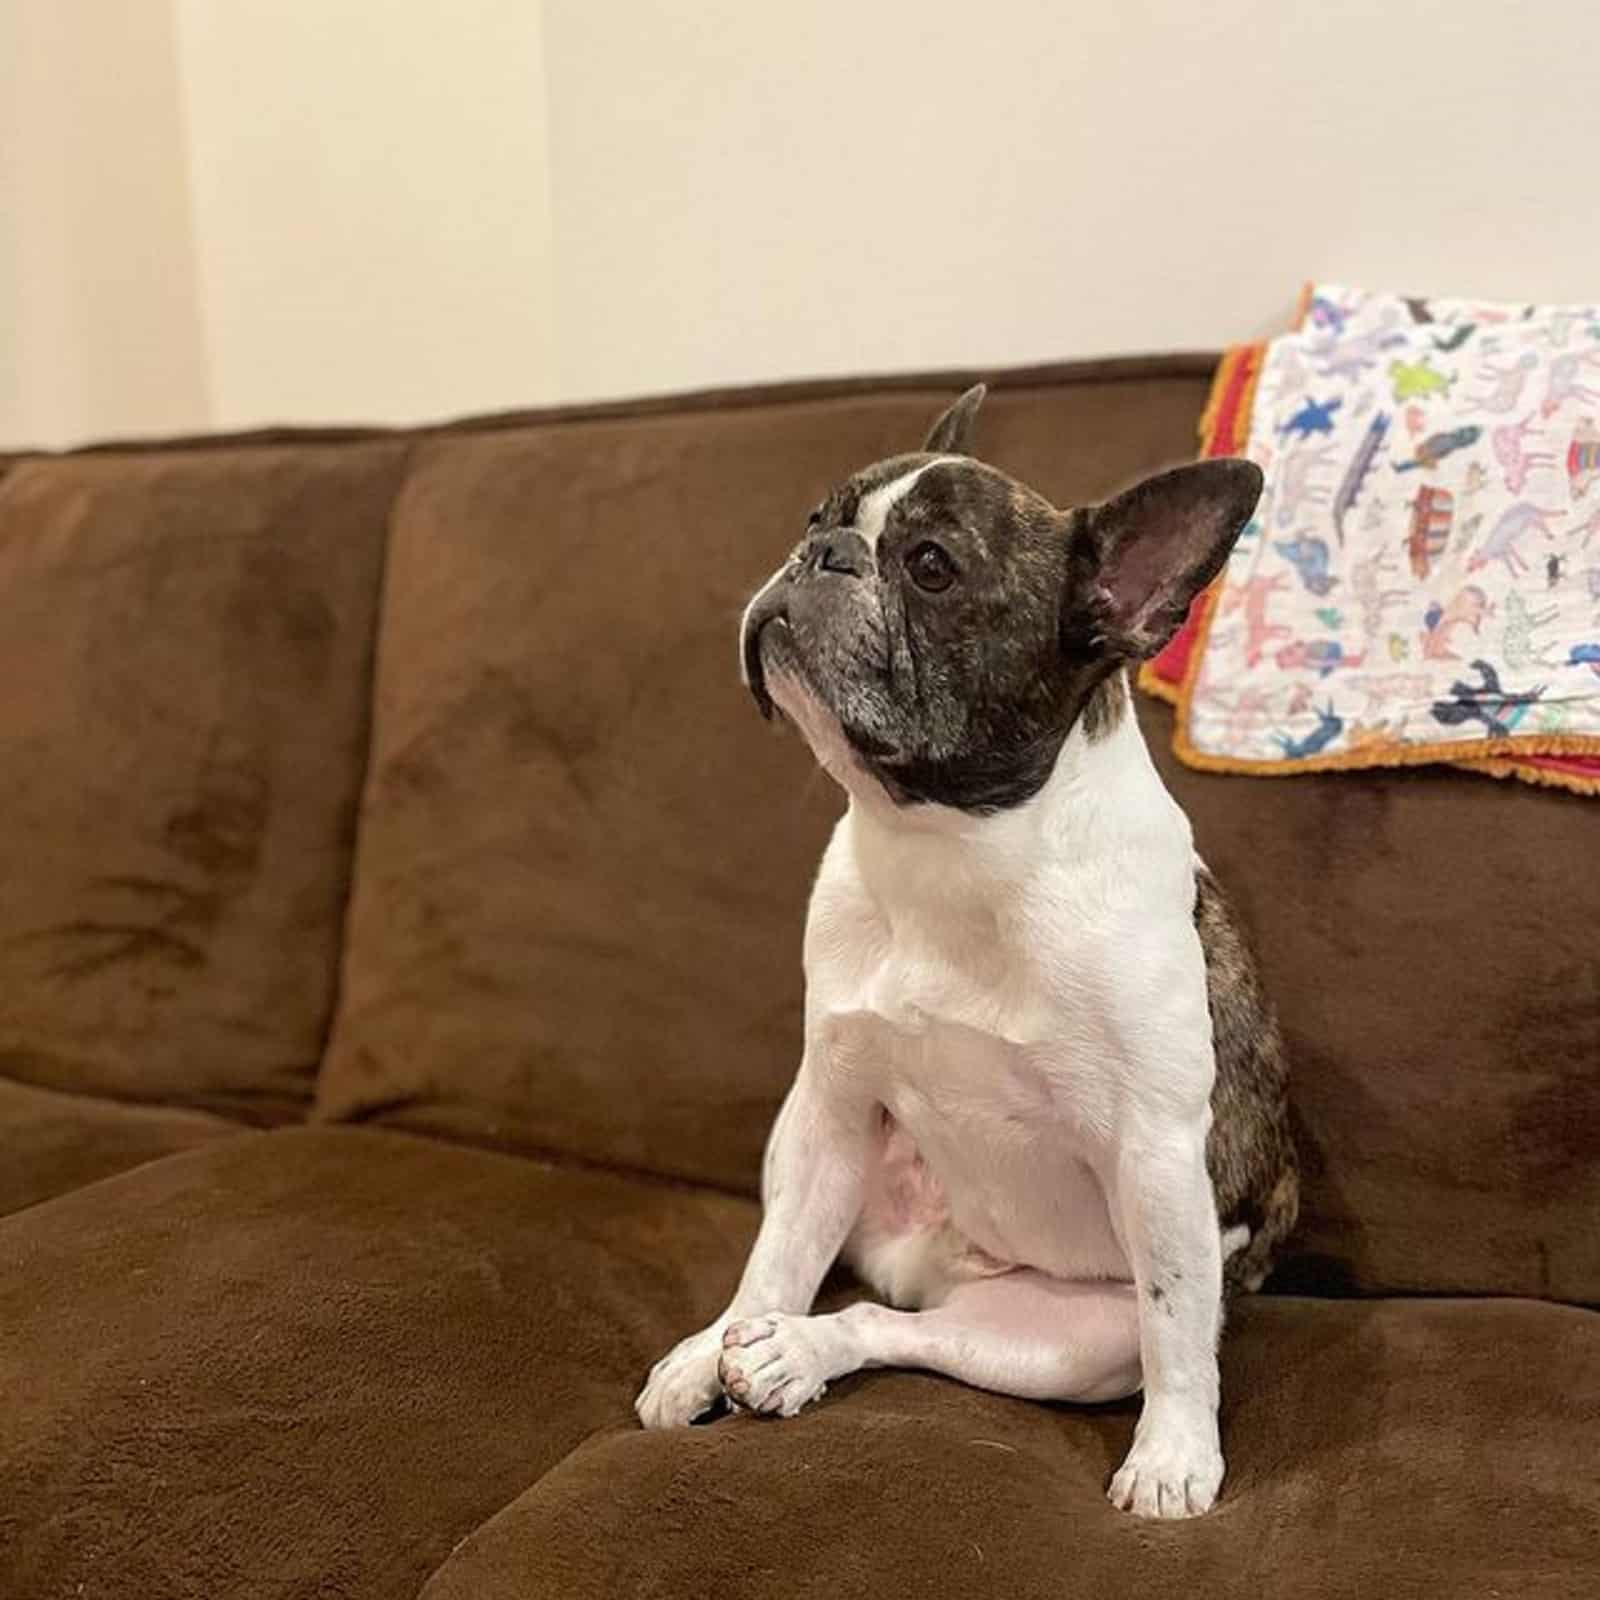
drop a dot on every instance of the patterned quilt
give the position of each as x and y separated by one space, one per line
1421 581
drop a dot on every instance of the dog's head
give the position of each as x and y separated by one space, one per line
941 628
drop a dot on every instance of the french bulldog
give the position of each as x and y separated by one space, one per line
1041 1109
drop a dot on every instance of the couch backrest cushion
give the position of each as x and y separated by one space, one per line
584 859
185 652
1430 938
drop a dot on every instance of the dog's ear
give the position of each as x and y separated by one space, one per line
951 435
1157 545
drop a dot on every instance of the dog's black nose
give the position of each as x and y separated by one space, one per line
839 551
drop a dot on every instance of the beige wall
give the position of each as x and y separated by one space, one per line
100 328
229 212
371 209
748 190
223 213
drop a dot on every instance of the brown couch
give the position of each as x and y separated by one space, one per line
400 910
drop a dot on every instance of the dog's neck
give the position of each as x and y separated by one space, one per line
1100 787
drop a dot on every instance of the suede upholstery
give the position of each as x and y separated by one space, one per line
583 862
576 924
351 1362
184 688
309 1362
1427 1476
52 1142
1429 938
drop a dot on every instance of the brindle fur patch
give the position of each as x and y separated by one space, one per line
1104 707
1250 1152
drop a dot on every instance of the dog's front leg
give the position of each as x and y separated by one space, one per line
1167 1215
811 1197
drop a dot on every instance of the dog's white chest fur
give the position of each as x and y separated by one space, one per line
978 977
1000 1138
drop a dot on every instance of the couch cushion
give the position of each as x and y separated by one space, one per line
1395 1448
306 1363
1430 940
584 862
52 1142
576 923
184 690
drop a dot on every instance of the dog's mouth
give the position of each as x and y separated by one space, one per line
766 623
831 717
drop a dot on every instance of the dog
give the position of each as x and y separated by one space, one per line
1041 1108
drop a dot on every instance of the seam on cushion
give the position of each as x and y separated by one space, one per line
240 1131
126 1102
607 1430
134 1103
373 668
1267 1292
543 1155
1088 372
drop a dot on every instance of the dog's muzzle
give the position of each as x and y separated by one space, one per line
770 608
825 558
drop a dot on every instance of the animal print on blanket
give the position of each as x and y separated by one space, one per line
1421 580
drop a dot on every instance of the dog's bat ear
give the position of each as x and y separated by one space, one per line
1157 545
951 435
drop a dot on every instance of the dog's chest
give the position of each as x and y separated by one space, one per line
998 1071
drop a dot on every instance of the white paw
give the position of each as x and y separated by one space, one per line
773 1364
1173 1470
683 1384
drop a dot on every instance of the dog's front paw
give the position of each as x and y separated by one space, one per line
1174 1468
774 1364
683 1384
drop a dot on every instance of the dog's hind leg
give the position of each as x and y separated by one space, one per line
1021 1333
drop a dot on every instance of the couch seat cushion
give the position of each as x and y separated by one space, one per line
51 1142
306 1363
1380 1448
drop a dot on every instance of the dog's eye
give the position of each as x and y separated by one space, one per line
931 567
